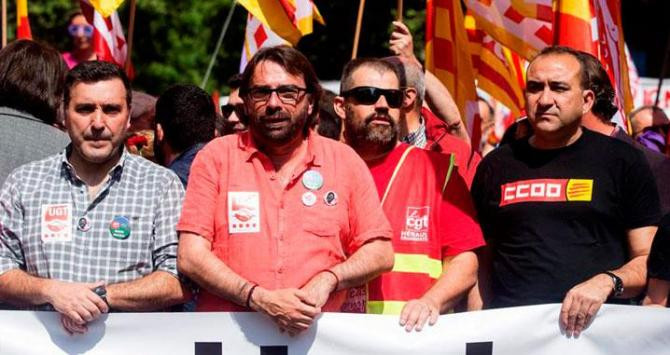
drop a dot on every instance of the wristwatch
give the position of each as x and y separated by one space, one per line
618 283
101 291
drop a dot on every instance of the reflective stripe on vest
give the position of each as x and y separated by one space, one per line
417 263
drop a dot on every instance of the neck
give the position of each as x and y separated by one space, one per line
84 54
92 174
282 154
375 153
168 155
560 139
597 125
413 122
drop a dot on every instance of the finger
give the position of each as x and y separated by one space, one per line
406 311
572 317
434 315
308 310
567 303
591 313
98 302
75 317
413 318
65 326
400 27
423 317
92 309
84 313
74 327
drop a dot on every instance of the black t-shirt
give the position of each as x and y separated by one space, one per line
555 218
659 258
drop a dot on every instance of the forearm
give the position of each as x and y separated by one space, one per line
21 289
458 275
481 295
366 263
634 276
197 261
442 104
155 291
657 293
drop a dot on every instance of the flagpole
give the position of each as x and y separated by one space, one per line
218 45
357 34
4 23
398 14
131 32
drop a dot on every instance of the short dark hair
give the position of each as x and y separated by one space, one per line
563 50
93 72
600 84
374 63
187 115
31 79
294 62
330 124
235 81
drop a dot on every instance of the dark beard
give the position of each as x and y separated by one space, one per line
264 132
366 137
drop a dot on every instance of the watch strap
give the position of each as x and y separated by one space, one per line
618 283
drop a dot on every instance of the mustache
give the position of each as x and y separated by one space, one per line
275 116
379 117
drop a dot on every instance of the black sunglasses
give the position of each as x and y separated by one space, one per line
228 109
368 95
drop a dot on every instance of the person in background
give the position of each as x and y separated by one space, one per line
31 85
233 111
328 124
81 34
185 119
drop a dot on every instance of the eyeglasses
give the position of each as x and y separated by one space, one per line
368 95
287 94
75 30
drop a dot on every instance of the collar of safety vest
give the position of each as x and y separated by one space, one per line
248 145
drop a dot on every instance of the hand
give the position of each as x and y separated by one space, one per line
77 301
318 289
415 313
582 303
71 327
289 308
401 42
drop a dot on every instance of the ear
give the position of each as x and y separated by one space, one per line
310 107
338 106
130 113
410 98
160 134
589 98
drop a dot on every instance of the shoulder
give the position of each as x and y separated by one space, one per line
149 172
612 148
38 169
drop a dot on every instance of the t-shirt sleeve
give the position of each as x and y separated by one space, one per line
165 221
481 193
11 223
458 226
367 220
640 195
197 215
659 257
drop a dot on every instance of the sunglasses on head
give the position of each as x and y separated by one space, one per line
86 30
368 95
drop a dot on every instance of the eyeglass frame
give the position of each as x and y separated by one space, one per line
248 93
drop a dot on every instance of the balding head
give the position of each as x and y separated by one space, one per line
411 76
647 116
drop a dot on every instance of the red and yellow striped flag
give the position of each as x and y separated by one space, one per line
106 7
448 57
499 71
289 19
22 22
573 25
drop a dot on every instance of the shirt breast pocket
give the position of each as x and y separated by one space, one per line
133 252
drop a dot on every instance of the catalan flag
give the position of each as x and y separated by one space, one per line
275 22
448 57
499 71
108 38
22 23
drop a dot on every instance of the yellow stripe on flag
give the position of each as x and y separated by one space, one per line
578 9
106 7
22 8
418 263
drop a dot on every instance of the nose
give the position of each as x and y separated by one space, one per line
381 104
98 120
546 98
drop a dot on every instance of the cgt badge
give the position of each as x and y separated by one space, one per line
119 228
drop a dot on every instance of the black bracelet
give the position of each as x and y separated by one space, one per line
251 291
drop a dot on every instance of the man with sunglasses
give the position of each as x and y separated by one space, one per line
233 110
278 219
81 33
427 203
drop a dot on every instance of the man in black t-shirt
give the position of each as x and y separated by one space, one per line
569 214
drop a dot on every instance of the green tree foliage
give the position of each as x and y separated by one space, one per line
174 39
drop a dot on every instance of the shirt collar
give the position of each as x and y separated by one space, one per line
247 144
114 172
417 136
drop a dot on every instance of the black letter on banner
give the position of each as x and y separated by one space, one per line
484 348
274 350
202 348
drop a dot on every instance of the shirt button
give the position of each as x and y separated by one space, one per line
280 270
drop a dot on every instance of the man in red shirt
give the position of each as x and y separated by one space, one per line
278 219
426 201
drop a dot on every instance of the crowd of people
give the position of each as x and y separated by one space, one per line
297 201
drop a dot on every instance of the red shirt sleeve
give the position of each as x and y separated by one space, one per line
459 228
197 215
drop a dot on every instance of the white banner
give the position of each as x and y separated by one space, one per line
623 330
645 93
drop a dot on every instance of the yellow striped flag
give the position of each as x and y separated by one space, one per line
22 22
106 7
289 19
448 57
523 26
499 71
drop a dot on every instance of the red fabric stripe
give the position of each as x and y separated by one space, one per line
444 54
398 286
488 72
23 30
573 32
